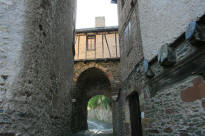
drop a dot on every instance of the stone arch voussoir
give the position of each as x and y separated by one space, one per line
83 67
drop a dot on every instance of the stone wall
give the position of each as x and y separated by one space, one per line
174 92
130 37
169 85
36 78
118 112
167 114
131 53
170 92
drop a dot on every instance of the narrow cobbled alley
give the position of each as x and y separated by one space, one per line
151 68
97 128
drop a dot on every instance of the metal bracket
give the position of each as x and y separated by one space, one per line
195 33
166 56
147 70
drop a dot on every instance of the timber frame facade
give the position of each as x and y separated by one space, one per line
97 43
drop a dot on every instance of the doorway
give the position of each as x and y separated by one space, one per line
135 115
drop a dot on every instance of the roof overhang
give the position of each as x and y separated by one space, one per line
97 29
114 1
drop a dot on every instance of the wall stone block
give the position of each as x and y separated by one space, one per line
195 92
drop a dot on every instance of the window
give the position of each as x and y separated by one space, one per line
133 3
122 2
128 38
114 1
91 42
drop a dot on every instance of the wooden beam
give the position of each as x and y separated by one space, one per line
102 46
78 45
86 46
116 44
107 45
95 46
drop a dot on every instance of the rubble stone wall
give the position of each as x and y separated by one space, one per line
169 87
36 66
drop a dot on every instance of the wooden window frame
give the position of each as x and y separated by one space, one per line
87 42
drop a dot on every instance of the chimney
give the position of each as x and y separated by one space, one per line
100 21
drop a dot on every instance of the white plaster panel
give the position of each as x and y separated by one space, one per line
162 21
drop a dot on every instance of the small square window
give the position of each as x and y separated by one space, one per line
91 42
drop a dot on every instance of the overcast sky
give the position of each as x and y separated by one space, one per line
87 10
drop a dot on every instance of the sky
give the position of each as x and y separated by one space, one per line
87 10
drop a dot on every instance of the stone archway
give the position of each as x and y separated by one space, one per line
90 82
83 67
111 70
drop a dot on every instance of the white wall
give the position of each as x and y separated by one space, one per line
162 21
11 40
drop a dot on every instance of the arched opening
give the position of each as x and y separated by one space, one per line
94 79
92 82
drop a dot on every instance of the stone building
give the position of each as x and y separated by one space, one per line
162 68
96 69
36 67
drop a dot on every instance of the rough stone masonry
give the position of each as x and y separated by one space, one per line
36 67
163 66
